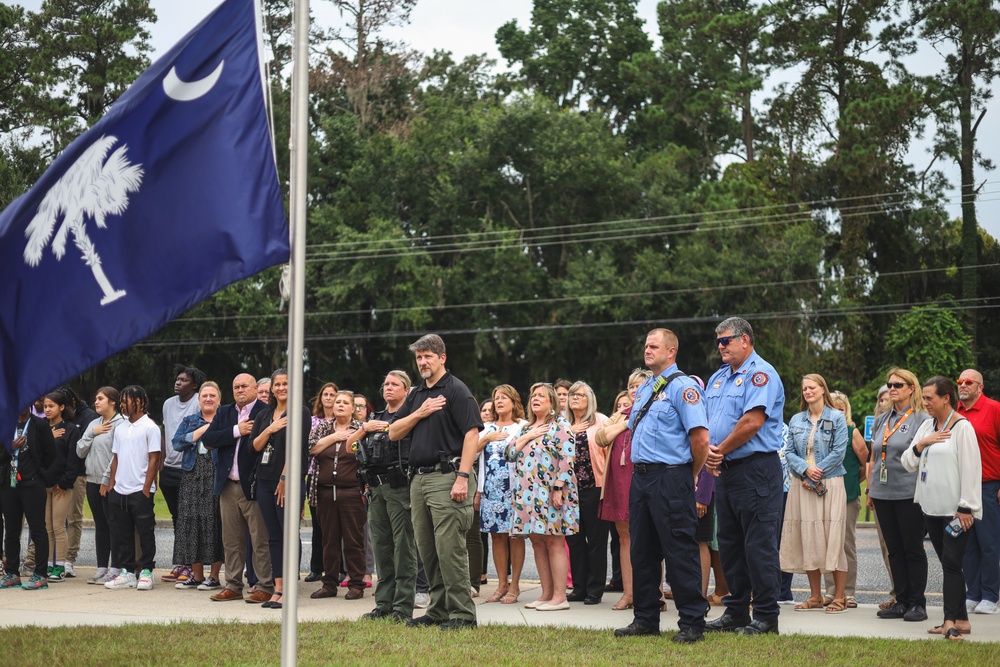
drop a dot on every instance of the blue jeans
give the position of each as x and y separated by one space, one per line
982 554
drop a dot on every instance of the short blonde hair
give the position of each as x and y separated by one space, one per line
916 400
550 392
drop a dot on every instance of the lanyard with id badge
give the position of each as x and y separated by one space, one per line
883 474
15 477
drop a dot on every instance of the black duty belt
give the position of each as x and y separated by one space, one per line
647 468
732 463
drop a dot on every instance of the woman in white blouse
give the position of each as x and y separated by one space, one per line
945 456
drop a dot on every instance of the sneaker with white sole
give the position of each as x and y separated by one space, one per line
145 582
101 572
209 584
422 600
123 580
56 574
189 585
970 605
69 572
986 607
104 578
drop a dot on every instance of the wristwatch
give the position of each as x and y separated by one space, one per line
462 474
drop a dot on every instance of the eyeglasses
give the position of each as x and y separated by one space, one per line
968 382
724 340
895 385
577 395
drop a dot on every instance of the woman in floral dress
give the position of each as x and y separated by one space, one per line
506 420
546 507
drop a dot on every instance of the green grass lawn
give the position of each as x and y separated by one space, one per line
382 643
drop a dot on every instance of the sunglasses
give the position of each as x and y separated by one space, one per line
895 385
724 340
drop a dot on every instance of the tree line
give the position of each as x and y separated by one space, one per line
544 212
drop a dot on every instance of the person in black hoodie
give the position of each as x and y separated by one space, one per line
23 462
60 479
82 416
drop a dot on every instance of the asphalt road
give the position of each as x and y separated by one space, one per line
872 587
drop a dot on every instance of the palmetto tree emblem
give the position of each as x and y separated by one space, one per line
94 187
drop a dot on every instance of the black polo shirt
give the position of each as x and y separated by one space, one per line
445 429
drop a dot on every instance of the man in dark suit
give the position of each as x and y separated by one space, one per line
229 439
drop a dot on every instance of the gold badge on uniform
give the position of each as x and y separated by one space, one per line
718 383
739 381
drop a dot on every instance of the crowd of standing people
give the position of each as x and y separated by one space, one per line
687 477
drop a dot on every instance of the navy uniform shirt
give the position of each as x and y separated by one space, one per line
731 394
445 429
663 434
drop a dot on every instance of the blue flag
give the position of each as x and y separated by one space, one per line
167 199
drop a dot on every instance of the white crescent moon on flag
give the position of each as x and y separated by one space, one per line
184 91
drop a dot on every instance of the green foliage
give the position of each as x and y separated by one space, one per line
929 341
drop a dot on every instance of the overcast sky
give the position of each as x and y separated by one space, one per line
467 27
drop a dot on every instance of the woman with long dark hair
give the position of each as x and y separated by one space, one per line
95 449
62 478
269 438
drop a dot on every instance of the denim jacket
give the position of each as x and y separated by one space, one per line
829 443
182 443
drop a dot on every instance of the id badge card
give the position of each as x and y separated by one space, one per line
201 448
883 475
923 476
266 458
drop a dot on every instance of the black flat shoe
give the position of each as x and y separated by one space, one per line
576 597
313 576
592 599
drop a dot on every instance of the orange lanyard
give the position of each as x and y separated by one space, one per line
888 433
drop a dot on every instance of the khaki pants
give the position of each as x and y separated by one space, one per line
56 510
240 516
75 518
440 526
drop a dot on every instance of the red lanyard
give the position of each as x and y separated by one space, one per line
888 433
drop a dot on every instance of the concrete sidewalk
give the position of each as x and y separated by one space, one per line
75 603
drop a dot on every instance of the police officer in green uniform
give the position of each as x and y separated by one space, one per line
442 417
383 471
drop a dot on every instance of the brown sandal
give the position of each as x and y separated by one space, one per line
838 606
496 597
510 597
624 603
827 600
811 604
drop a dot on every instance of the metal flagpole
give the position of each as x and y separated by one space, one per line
296 331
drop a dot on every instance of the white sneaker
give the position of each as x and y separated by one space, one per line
422 600
102 572
970 605
68 570
986 607
123 580
145 581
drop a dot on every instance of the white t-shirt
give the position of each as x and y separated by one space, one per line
174 411
132 444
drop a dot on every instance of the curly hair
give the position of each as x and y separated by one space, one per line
134 400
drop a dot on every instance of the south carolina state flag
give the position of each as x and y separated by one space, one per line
167 199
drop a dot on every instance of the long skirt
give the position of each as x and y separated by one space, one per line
198 536
812 536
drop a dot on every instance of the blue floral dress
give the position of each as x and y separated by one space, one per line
543 462
498 499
